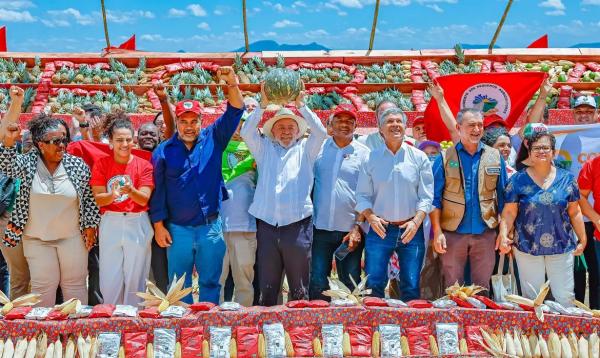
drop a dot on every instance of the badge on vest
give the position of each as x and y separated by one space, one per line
453 164
492 170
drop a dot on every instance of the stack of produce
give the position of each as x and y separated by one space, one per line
28 98
401 100
387 72
202 95
324 100
254 70
64 100
17 72
99 73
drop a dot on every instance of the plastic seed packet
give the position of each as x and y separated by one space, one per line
476 303
125 311
220 337
576 311
333 337
164 343
174 312
274 340
395 303
447 338
390 341
82 312
38 313
343 302
444 303
230 306
109 344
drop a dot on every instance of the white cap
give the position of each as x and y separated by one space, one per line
585 101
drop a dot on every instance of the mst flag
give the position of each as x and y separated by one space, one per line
542 42
501 94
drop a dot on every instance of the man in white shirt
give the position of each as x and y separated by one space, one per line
282 202
335 220
394 194
375 139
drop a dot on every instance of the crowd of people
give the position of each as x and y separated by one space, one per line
93 209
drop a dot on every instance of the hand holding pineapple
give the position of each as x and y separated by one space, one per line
299 101
17 94
264 100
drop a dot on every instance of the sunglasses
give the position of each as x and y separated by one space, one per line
57 141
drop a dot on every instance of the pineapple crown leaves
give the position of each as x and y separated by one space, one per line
142 64
459 53
220 94
238 63
259 63
188 92
280 61
117 66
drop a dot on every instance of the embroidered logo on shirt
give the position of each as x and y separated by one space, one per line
453 164
492 170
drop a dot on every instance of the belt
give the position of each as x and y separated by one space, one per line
117 213
400 223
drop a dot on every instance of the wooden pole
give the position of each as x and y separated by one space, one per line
499 28
105 24
372 40
245 26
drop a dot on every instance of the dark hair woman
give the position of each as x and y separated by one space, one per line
498 138
54 209
542 200
122 184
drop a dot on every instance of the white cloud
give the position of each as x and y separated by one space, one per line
590 2
359 4
316 33
204 26
556 7
299 4
435 7
286 23
269 34
342 13
128 17
151 37
196 10
56 23
60 17
354 31
16 5
278 7
218 12
15 16
176 13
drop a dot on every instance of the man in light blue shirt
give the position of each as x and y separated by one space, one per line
335 220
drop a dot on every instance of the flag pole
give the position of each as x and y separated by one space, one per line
105 24
499 28
374 27
245 26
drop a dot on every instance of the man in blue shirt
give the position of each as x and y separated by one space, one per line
189 189
468 198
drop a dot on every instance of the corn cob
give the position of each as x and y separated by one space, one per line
94 347
206 348
533 342
87 347
262 346
42 346
433 347
517 344
232 349
536 351
1 347
49 351
317 349
464 349
594 345
58 349
31 348
70 350
9 349
81 346
150 351
544 350
554 345
490 342
346 347
122 352
583 348
404 345
376 344
289 347
565 347
573 343
525 345
20 348
177 350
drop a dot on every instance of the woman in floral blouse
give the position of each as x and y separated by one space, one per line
542 199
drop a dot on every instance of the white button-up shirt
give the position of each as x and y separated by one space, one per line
336 177
285 175
234 210
373 140
395 186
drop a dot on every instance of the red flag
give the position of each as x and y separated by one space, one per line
129 44
499 94
3 39
542 42
90 151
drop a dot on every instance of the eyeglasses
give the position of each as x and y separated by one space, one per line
541 149
57 141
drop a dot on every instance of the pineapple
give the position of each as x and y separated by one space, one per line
81 74
459 53
64 75
280 61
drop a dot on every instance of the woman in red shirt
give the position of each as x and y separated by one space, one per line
122 185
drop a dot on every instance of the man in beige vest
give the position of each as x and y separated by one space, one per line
468 198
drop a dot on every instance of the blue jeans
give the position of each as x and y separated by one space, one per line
202 246
324 245
378 252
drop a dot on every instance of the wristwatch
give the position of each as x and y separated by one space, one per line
84 125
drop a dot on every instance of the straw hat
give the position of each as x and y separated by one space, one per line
281 114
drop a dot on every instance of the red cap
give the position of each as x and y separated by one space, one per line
419 120
187 106
493 119
345 108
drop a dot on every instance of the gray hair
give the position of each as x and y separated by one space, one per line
249 100
380 104
474 111
390 112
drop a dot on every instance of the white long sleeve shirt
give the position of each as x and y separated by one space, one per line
336 177
285 175
395 186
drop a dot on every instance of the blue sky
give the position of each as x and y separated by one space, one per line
194 26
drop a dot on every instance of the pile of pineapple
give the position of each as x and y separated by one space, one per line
108 101
398 72
202 95
327 75
28 98
400 99
88 74
17 72
197 75
326 101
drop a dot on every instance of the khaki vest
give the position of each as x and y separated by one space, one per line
453 198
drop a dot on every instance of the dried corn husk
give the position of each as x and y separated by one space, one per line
565 347
177 350
81 346
70 350
317 348
337 290
554 346
510 345
594 345
58 349
9 349
49 351
232 349
154 297
150 351
1 347
29 299
433 346
583 348
94 347
262 347
31 348
289 347
595 313
525 347
491 344
346 347
544 349
20 348
533 342
404 345
87 346
375 344
464 348
463 292
573 343
536 304
121 352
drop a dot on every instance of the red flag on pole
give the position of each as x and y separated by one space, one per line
542 42
129 44
500 94
3 39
